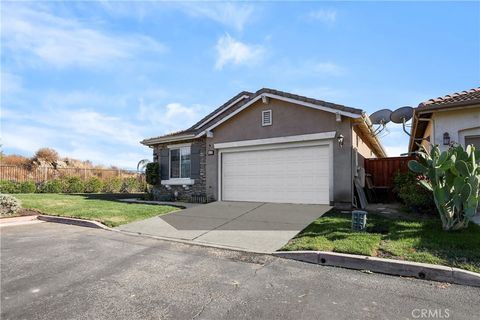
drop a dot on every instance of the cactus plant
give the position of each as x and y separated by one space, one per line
453 176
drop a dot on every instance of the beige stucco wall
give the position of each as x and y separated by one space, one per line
288 119
428 133
458 123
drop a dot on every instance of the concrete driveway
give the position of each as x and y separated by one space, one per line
252 226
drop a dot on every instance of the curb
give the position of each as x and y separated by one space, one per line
423 271
99 225
418 270
74 221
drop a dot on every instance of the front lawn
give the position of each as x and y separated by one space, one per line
92 207
416 240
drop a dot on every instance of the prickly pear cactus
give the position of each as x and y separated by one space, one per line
453 177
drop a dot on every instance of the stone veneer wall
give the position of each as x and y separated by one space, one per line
160 192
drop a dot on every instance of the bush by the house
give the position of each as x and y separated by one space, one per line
7 186
73 185
152 172
52 186
112 185
412 194
9 205
93 185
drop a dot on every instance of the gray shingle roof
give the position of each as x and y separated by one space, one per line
251 96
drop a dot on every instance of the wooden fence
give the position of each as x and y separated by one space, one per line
41 174
383 170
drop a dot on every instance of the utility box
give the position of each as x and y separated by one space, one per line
359 220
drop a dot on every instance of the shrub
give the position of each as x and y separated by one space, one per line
52 186
27 187
152 173
15 160
46 154
130 185
73 185
9 205
93 185
412 194
7 186
112 185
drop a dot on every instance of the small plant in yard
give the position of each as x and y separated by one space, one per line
74 185
412 194
9 205
93 185
453 176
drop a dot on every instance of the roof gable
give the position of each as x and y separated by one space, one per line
245 99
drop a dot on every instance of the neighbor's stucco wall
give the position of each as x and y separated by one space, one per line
458 123
288 119
363 149
428 133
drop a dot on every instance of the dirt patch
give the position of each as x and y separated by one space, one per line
22 213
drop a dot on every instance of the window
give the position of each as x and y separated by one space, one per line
267 118
180 164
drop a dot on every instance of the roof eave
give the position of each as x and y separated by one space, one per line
373 139
158 140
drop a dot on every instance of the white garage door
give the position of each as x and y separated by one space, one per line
290 175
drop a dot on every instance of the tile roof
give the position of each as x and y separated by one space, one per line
193 129
471 96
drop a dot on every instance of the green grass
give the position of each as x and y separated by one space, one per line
105 210
417 240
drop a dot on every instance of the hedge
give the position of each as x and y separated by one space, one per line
74 184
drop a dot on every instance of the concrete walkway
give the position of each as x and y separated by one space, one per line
252 226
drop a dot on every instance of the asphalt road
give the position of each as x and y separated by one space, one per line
54 271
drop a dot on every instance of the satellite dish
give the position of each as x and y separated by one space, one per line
402 115
381 116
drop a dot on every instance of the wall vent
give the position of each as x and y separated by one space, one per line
267 118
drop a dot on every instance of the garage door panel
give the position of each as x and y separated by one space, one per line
290 175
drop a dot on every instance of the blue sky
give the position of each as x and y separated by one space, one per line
92 79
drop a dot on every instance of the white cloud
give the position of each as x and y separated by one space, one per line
64 42
234 15
327 16
235 52
170 117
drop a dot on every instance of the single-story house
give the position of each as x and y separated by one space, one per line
454 118
268 146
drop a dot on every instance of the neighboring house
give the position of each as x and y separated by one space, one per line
454 118
268 146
